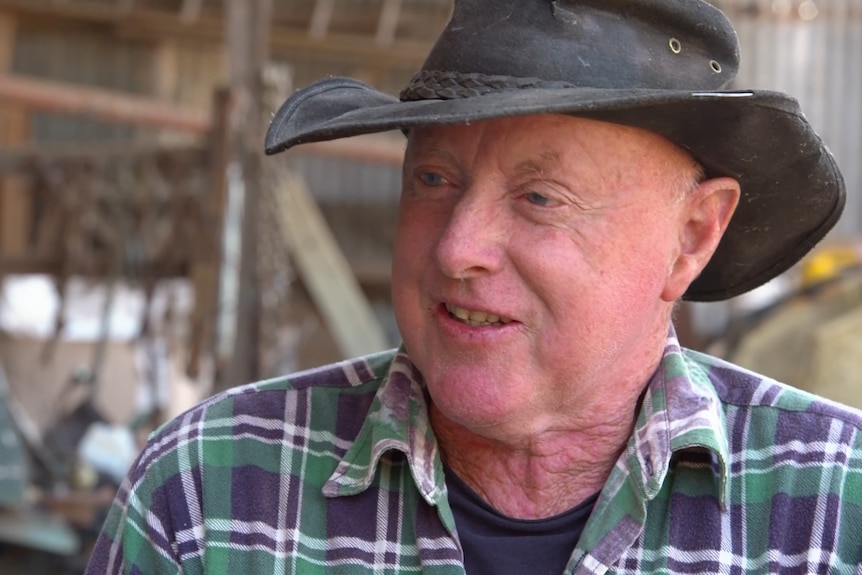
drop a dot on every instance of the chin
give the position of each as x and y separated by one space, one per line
475 402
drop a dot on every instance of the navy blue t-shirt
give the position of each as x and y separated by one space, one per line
498 545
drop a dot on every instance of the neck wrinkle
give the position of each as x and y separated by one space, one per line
541 479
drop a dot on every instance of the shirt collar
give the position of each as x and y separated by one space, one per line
397 420
680 414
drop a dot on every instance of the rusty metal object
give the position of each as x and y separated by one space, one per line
123 216
141 217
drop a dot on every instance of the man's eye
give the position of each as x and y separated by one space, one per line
537 199
432 179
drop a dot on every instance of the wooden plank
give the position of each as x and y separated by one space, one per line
23 157
8 25
105 105
16 216
325 271
370 275
206 270
388 24
290 42
247 30
373 149
16 209
318 26
166 70
288 38
33 264
191 10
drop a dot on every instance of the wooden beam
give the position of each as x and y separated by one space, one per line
22 157
325 271
375 149
351 19
16 205
31 264
288 39
8 28
105 105
388 24
116 106
191 10
166 70
205 271
370 275
247 32
319 23
16 216
78 10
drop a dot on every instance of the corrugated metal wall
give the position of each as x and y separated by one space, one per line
811 49
83 56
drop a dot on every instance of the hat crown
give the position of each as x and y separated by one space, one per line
621 44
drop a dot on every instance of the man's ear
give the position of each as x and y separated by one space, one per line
704 217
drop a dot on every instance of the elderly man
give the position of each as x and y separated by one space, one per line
573 168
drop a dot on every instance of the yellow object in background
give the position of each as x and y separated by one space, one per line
828 263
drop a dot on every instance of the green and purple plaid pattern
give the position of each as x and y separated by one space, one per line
337 471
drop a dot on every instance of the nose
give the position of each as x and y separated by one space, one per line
472 241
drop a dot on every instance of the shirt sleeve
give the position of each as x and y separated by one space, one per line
138 536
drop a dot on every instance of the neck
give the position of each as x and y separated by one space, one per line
534 477
540 465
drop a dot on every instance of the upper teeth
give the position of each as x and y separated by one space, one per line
476 317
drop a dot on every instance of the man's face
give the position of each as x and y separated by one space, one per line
531 261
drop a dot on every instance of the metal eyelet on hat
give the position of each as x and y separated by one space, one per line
716 67
675 45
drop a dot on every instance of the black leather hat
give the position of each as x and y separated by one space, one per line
660 65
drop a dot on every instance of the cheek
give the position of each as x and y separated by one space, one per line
411 247
608 275
644 252
411 256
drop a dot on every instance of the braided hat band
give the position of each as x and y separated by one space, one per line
446 85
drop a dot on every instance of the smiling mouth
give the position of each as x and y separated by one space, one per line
476 318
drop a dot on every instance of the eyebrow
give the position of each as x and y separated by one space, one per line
429 146
546 162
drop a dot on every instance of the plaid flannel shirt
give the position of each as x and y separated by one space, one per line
337 471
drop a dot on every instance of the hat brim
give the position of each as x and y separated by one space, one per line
792 189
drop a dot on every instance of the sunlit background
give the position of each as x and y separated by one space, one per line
150 255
